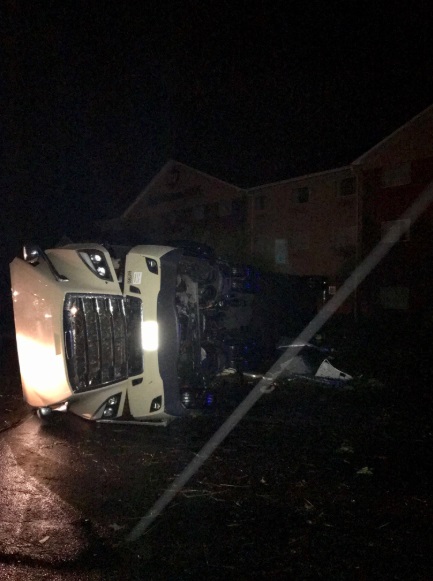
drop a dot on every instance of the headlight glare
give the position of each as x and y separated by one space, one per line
149 335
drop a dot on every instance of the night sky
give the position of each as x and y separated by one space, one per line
99 95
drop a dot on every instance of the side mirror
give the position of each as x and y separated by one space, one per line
31 253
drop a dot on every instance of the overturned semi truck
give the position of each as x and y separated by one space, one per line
111 332
133 333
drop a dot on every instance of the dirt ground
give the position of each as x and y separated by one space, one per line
332 485
314 483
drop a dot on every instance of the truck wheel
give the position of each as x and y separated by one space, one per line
44 413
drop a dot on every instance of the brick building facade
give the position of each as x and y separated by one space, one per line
319 224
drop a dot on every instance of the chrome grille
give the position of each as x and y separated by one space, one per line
102 339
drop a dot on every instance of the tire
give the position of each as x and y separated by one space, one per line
44 413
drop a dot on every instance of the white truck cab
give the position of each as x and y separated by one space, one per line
113 332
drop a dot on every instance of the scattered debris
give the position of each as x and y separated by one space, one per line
365 470
345 449
116 527
312 362
308 505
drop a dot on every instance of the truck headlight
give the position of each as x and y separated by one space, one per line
149 335
111 406
95 260
152 265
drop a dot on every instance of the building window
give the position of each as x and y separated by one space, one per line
397 230
281 254
347 187
259 203
398 175
302 195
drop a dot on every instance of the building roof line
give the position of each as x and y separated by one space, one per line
168 164
207 175
375 147
142 194
299 178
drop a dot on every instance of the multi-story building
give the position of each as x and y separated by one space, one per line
391 176
307 225
319 224
183 203
303 226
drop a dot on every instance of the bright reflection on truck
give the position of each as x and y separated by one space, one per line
39 386
73 310
149 335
